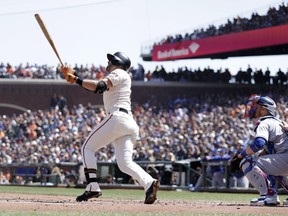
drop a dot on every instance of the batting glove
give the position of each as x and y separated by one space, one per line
67 70
70 78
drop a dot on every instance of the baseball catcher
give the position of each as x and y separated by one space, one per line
263 170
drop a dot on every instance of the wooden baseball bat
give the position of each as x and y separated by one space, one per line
48 37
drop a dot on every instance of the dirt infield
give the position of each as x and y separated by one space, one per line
43 203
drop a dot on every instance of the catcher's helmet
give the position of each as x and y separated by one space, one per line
264 101
120 58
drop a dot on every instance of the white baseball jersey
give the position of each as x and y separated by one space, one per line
119 95
268 127
275 163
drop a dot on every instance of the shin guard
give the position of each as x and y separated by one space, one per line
256 177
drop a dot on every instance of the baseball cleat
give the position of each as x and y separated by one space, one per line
88 195
285 202
265 201
151 193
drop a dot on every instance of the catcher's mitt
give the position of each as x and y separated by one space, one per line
235 164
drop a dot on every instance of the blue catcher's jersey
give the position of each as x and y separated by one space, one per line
268 127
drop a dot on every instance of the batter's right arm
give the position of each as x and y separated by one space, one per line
93 85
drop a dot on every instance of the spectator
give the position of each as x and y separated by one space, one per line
281 77
54 101
218 171
267 76
3 179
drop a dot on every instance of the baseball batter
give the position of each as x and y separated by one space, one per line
118 127
264 170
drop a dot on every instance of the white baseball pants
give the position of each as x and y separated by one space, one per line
120 129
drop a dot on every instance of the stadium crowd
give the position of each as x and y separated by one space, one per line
183 128
273 17
202 127
159 74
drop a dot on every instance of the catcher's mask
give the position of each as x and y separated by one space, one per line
264 101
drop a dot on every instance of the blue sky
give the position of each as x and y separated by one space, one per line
85 30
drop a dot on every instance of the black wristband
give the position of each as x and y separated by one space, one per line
79 81
75 74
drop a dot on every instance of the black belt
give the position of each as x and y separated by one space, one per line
123 110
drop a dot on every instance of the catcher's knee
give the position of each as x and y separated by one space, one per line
255 176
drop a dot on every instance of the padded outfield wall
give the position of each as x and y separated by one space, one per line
18 95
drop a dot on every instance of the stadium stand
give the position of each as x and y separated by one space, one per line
182 128
273 17
159 74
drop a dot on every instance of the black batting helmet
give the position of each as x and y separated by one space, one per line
120 58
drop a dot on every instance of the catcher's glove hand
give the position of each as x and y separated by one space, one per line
235 164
